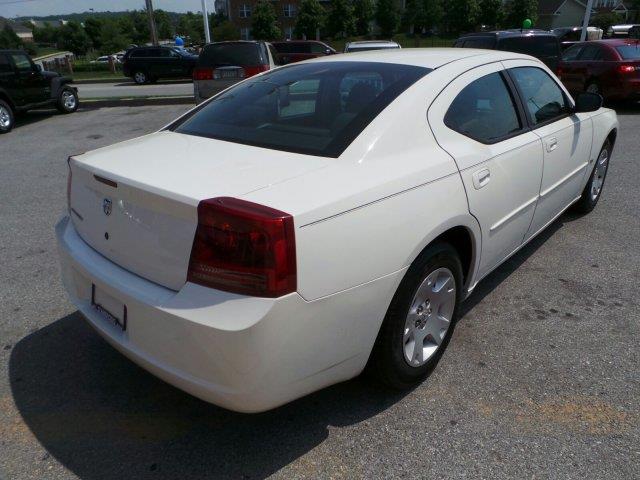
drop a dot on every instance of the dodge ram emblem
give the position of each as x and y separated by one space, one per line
106 206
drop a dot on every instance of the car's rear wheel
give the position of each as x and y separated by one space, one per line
67 100
140 77
593 189
7 118
420 320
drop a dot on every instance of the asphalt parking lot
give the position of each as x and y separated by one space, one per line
541 380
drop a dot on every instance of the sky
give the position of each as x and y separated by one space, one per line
27 8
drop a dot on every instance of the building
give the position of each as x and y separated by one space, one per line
240 11
25 34
50 23
569 13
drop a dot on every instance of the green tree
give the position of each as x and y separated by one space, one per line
387 17
461 15
93 26
605 20
340 20
112 39
226 31
46 34
264 22
491 13
73 37
191 26
364 11
163 24
310 19
431 13
517 11
8 38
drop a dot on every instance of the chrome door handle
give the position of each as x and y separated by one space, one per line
481 178
552 144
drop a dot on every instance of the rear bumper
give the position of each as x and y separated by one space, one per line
242 353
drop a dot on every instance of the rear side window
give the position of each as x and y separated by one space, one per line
591 52
143 52
543 98
487 43
572 53
535 45
231 54
315 108
21 62
484 110
318 48
629 52
5 66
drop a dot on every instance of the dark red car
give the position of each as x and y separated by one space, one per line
298 50
608 67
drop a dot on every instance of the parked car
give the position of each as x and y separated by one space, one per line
541 44
149 64
221 64
370 45
284 236
25 86
569 36
624 31
608 67
299 50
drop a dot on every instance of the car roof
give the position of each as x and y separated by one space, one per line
233 42
614 42
511 33
423 57
12 51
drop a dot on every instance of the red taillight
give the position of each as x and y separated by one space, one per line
69 185
254 70
203 73
626 68
243 247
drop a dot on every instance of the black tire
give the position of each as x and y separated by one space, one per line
587 200
140 77
67 101
387 363
7 117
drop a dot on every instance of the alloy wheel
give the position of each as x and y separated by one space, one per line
599 174
5 117
429 317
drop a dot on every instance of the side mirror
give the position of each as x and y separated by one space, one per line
588 102
327 51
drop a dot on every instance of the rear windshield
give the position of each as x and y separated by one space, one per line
629 52
480 42
315 109
536 46
356 48
231 54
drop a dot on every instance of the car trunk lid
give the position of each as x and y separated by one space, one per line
136 202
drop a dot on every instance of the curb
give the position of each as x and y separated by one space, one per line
85 81
136 102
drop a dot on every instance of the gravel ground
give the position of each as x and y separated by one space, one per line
541 379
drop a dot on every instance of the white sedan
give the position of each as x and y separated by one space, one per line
324 217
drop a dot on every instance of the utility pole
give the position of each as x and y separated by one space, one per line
585 21
152 23
205 15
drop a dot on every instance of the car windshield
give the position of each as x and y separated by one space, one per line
537 46
315 109
629 52
231 54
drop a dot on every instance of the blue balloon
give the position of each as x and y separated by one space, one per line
179 42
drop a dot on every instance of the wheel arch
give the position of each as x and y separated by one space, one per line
5 96
464 235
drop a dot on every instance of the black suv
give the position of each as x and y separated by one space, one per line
25 86
148 64
541 44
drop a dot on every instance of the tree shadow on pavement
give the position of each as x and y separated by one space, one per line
101 416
